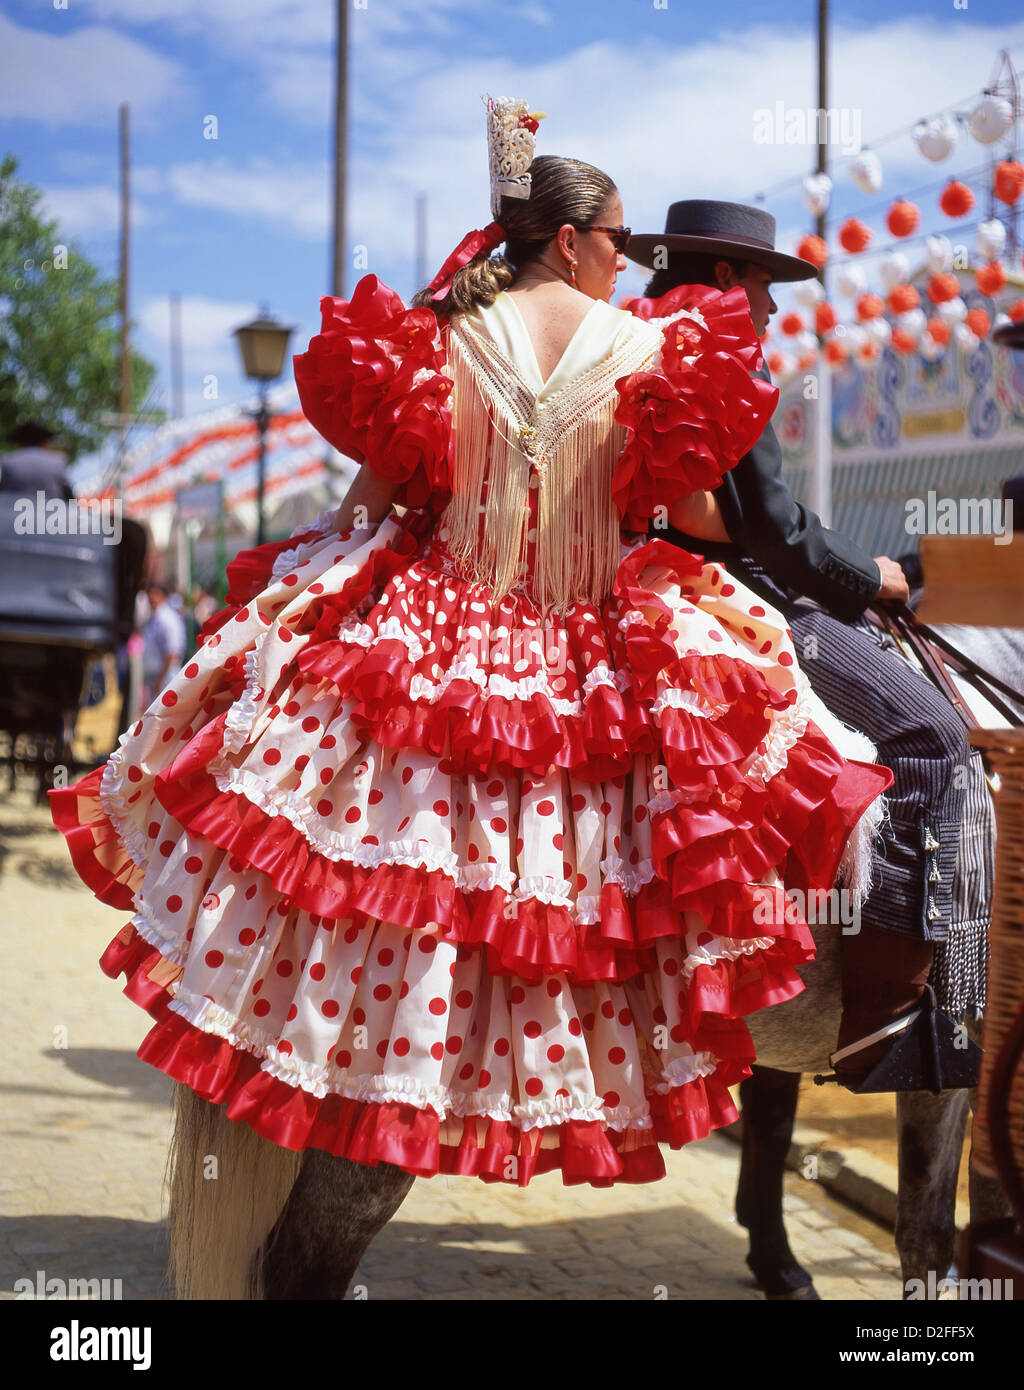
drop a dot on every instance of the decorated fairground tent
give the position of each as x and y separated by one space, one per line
193 482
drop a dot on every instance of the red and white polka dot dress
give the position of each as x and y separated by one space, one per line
421 875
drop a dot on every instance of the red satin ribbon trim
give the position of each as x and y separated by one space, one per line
474 244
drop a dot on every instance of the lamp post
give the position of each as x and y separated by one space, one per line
263 344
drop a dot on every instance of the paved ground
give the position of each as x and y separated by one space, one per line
83 1134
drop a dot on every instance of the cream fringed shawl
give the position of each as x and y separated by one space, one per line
509 422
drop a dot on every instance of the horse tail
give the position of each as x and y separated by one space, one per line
228 1186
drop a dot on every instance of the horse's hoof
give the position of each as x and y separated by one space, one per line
805 1293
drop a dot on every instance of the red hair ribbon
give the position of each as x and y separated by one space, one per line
474 244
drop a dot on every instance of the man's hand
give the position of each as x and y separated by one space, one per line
894 581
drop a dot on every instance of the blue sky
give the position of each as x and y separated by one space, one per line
661 93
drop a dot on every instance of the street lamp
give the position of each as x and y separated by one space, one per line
263 344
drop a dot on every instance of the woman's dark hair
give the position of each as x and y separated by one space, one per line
562 190
690 268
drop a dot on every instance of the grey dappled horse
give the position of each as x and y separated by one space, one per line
798 1036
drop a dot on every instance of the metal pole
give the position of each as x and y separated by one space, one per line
821 470
421 240
177 373
126 361
338 252
262 420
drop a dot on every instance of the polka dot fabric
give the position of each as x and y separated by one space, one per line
489 915
424 877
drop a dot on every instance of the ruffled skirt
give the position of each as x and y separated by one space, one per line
421 878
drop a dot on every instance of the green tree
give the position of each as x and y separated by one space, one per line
60 349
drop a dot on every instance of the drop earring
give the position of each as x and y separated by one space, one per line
572 271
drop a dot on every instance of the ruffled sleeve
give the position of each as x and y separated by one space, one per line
371 383
698 411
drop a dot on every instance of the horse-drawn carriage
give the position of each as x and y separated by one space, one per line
67 599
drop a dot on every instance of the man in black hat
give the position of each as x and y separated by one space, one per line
37 463
783 551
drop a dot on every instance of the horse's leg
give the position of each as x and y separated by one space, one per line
333 1213
931 1138
768 1101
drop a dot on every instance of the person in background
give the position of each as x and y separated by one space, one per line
163 641
37 463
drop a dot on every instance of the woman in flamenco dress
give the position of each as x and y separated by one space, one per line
463 842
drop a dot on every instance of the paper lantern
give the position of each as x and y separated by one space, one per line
869 306
813 249
990 119
854 236
965 338
817 194
938 252
903 218
835 352
855 337
991 239
851 280
957 199
866 171
902 341
808 293
936 138
943 287
824 318
868 352
879 331
806 360
904 298
1016 311
1009 181
792 324
940 332
775 363
894 270
929 349
978 322
991 278
952 310
913 322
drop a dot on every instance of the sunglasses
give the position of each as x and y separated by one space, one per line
619 235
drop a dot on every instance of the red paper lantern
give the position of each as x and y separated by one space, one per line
824 318
941 332
978 322
942 288
813 249
776 362
904 298
792 324
870 306
1009 181
991 278
903 218
853 235
957 199
835 352
902 341
1016 311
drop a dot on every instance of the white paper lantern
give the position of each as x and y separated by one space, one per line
990 119
879 330
929 349
912 322
866 171
786 368
991 239
817 193
806 342
936 138
894 270
855 337
851 280
809 292
1001 320
965 338
938 252
952 311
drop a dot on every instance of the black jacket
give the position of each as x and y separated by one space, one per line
784 539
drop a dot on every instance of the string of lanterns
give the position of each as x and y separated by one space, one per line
944 318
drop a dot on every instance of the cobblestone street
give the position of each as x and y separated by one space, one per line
85 1125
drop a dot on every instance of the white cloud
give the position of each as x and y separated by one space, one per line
285 197
80 78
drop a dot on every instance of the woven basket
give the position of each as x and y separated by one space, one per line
1005 751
